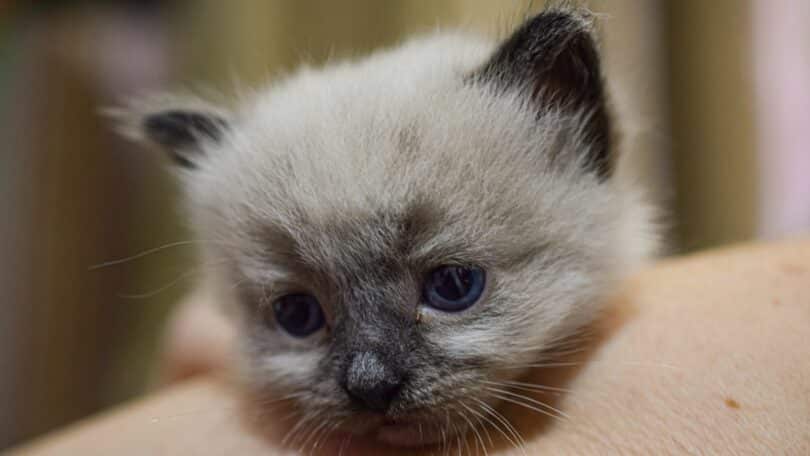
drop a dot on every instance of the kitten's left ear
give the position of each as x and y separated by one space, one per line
553 59
179 125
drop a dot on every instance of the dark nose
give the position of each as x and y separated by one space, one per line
371 382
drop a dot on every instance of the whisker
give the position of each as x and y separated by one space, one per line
296 428
566 346
462 437
505 396
443 432
529 386
582 363
516 439
541 365
323 431
238 283
346 442
560 353
273 399
454 430
479 418
529 399
474 430
325 436
293 429
312 433
153 251
189 273
290 415
263 405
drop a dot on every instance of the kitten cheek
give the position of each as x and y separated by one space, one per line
472 344
288 370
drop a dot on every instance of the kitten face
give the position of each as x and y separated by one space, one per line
352 185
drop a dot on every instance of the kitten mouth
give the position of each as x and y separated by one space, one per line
408 429
395 431
406 433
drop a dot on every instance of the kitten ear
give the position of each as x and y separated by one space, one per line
178 125
553 57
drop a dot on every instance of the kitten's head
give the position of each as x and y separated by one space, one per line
399 231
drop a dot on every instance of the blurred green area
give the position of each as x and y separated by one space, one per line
74 340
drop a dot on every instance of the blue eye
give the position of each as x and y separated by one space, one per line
454 288
299 314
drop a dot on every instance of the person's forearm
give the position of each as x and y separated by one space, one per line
706 354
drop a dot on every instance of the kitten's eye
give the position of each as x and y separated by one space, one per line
299 314
454 288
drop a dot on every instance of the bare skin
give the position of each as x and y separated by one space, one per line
708 354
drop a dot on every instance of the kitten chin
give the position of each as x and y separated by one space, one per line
394 235
407 435
399 432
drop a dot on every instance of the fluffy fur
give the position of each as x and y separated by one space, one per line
351 182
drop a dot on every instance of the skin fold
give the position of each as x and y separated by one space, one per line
706 354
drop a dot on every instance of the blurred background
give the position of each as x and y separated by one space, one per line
715 98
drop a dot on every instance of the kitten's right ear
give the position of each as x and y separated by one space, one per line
554 61
179 125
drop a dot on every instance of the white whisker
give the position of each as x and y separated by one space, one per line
540 407
188 274
314 431
153 251
479 419
346 442
529 386
296 428
473 428
516 439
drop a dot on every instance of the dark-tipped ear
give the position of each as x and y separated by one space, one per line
178 125
554 59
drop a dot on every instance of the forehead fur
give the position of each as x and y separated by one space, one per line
402 131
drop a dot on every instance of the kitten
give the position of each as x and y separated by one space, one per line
396 231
